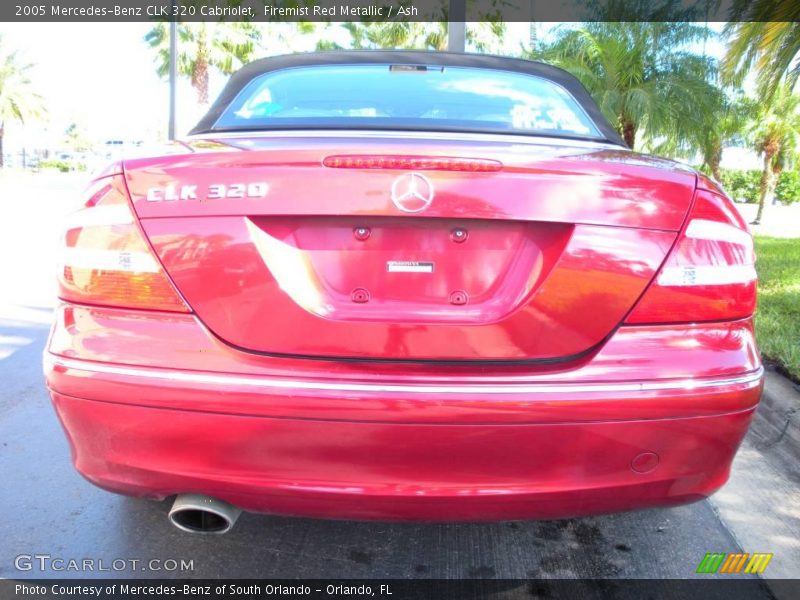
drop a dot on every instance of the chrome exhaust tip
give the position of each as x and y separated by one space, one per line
196 513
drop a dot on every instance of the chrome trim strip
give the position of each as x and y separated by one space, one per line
292 384
413 135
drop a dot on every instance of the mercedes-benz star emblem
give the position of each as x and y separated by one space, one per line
412 192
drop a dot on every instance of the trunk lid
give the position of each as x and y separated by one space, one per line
280 254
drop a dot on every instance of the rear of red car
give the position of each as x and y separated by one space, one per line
381 322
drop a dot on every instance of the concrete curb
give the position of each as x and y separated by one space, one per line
779 413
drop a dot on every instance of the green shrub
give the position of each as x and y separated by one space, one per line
61 165
744 186
788 188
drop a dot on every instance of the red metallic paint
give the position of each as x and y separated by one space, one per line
374 470
429 456
562 243
543 279
535 290
593 186
151 339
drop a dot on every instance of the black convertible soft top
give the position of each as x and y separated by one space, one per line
406 57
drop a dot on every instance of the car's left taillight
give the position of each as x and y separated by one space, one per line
106 260
710 273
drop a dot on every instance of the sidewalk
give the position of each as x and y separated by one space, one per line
778 221
760 505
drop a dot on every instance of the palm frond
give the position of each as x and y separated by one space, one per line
18 100
769 42
645 76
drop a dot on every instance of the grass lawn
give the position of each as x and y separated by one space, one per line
778 316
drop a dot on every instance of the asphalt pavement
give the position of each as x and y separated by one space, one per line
47 508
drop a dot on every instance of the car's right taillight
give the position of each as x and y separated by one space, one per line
710 273
105 258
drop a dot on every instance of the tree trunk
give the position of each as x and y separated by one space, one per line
776 177
767 187
629 133
200 72
715 171
713 163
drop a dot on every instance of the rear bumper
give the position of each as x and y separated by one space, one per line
328 444
340 469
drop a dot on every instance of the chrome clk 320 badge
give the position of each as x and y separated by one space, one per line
214 191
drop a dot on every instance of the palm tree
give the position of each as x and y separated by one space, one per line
201 46
18 102
641 74
775 132
75 139
485 36
765 36
722 124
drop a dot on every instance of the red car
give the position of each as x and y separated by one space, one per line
399 285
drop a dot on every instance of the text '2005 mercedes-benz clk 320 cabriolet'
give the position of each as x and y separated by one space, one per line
401 285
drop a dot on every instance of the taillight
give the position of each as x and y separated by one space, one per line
415 163
106 260
709 275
